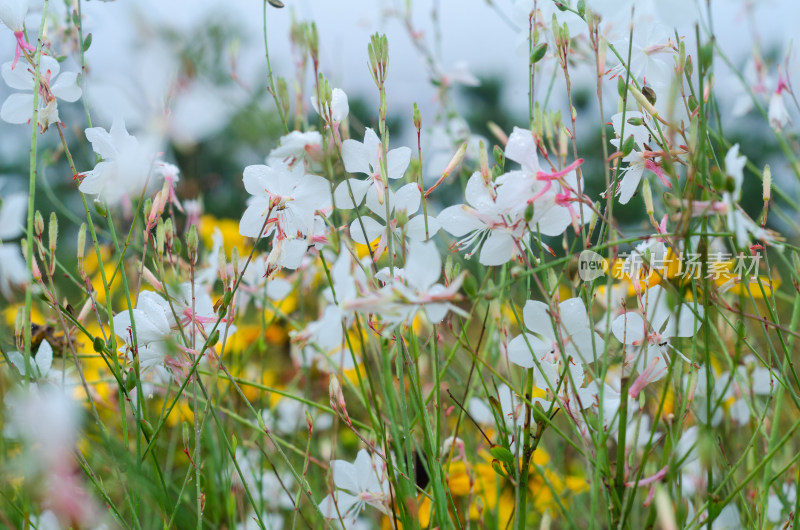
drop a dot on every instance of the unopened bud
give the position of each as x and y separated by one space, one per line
456 160
538 53
648 198
168 232
483 160
160 237
335 393
309 422
235 261
223 266
644 100
38 224
627 145
81 241
767 183
100 208
417 118
52 229
192 243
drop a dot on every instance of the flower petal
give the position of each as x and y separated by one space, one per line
17 109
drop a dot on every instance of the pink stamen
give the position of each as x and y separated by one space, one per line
21 45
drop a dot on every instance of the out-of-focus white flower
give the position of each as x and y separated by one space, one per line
18 108
459 73
572 340
153 318
12 15
356 485
775 504
365 158
777 112
511 407
40 363
409 289
126 168
744 384
297 146
13 270
650 337
288 416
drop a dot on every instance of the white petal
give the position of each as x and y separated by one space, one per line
345 475
522 149
536 318
371 229
424 265
630 183
356 157
341 194
20 77
339 106
17 109
44 358
415 228
397 161
458 221
628 328
407 199
521 354
101 142
12 215
497 249
573 315
66 87
18 361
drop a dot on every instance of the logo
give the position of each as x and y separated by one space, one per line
591 265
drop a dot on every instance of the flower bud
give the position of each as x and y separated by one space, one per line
192 243
456 160
160 237
52 232
767 183
81 241
648 198
538 52
417 118
627 145
100 208
38 224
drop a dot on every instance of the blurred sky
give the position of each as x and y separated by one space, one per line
128 71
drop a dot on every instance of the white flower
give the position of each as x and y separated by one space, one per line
510 405
652 336
365 158
12 15
289 416
407 199
489 222
154 321
257 287
743 385
302 146
338 108
125 169
18 108
411 288
574 330
459 73
357 485
13 270
40 363
288 195
775 504
777 113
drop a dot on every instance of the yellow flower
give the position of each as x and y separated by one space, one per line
230 234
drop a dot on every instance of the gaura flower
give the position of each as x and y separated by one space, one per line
12 15
403 204
357 485
366 158
125 171
18 108
650 337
